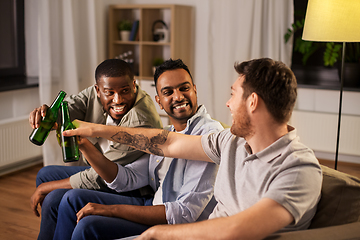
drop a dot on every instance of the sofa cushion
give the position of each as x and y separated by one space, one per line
340 199
350 231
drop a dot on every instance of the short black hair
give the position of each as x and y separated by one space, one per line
274 82
113 68
170 65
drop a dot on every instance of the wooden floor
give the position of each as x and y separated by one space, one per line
17 221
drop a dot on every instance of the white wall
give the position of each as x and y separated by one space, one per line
18 103
327 101
321 108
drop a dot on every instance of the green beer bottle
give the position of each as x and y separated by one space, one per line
69 145
39 135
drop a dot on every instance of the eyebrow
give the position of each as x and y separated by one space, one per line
111 88
181 84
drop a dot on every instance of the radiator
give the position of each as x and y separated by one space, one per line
319 131
16 151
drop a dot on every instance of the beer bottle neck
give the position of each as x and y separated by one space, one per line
65 113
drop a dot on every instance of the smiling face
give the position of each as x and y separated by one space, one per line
241 123
177 95
117 95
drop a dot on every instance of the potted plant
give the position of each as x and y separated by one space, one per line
124 28
157 62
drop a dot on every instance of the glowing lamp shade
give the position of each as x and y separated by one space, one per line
332 21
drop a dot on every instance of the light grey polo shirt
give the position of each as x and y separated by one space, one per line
287 171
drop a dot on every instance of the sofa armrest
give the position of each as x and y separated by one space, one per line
340 232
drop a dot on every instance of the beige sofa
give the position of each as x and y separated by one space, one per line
338 213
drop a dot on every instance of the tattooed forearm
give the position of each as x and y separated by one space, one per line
143 143
160 138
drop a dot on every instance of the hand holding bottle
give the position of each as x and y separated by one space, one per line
36 116
47 122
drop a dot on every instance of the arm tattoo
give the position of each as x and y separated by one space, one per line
143 143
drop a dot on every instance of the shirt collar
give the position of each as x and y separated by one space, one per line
275 149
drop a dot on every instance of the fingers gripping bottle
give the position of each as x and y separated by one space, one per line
39 135
69 145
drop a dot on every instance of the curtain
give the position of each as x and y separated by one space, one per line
240 30
67 55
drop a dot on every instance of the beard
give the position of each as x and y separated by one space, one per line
242 126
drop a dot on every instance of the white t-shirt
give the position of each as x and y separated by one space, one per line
104 143
162 170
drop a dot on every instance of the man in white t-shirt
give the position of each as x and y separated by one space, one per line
267 180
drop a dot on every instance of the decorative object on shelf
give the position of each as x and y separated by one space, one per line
124 28
160 34
134 30
333 21
128 57
156 62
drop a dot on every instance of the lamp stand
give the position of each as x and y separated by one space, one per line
340 104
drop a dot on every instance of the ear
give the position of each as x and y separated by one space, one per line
253 101
134 85
97 90
157 99
195 88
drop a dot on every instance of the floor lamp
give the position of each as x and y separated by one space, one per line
333 21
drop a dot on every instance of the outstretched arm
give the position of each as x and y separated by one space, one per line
154 141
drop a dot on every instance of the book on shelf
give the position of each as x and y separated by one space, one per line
134 30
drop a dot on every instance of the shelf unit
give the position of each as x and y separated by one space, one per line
179 20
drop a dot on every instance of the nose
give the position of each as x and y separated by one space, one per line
178 96
228 103
117 98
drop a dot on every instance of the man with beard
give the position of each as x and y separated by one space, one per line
267 181
183 189
115 99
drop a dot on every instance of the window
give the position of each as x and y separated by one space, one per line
314 74
12 46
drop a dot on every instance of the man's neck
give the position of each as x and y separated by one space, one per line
264 136
179 125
